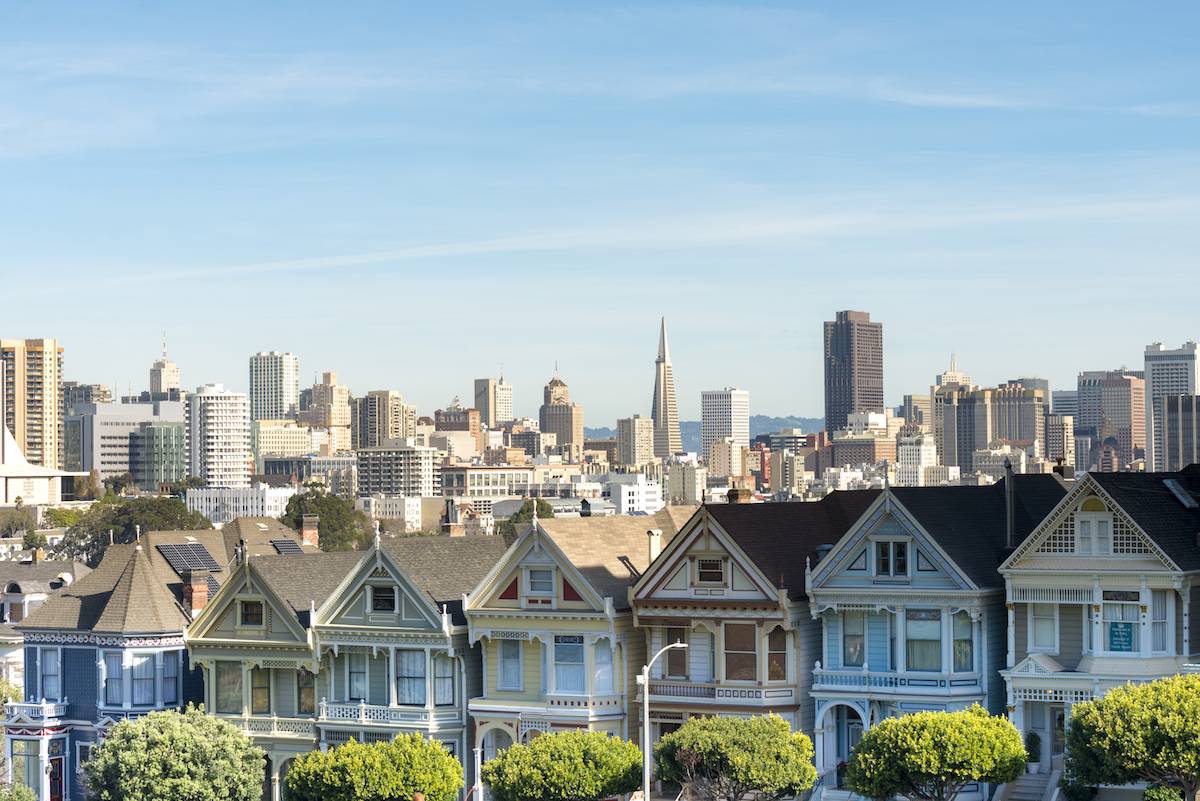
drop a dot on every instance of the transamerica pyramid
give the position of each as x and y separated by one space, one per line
663 409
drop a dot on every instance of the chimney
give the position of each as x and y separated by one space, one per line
195 591
739 495
654 535
309 530
1010 506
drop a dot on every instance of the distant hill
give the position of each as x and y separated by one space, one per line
689 430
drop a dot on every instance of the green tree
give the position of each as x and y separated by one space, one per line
725 759
88 538
516 524
34 540
62 516
341 527
165 756
398 769
16 521
565 766
931 756
1139 732
119 483
16 792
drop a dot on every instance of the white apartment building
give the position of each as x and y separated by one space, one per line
286 438
913 456
724 413
223 504
635 440
631 493
399 468
686 482
274 385
494 400
403 509
218 436
164 376
1060 438
1168 372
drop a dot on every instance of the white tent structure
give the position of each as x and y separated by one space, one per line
34 485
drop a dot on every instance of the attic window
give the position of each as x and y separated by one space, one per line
710 571
383 599
541 581
251 613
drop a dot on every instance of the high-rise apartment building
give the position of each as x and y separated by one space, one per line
853 367
494 400
75 395
663 409
724 413
164 377
1112 411
561 417
1060 439
218 436
1179 418
1168 372
456 418
329 408
274 385
31 397
635 441
399 469
379 416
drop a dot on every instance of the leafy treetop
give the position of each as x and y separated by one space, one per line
341 527
565 766
388 770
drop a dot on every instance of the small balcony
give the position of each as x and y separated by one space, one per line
891 683
36 710
271 726
713 693
362 712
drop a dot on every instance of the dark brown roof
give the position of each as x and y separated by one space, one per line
40 576
780 538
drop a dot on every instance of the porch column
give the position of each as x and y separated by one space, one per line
478 751
245 688
1011 659
1145 604
947 633
1097 613
429 683
392 676
44 764
901 640
1187 629
819 743
274 784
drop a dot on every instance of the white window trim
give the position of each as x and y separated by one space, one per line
908 558
251 626
528 579
1138 627
1092 517
371 610
842 624
41 685
79 746
1029 646
501 687
725 571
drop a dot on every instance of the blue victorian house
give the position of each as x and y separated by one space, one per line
911 605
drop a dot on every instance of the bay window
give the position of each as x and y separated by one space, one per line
741 652
1043 628
114 673
443 680
854 627
357 679
603 676
143 679
260 691
1121 621
964 643
510 676
410 677
51 674
170 679
306 691
229 688
923 635
27 764
777 655
1158 621
677 659
568 664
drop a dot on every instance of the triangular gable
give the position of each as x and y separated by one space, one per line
218 616
669 574
1036 665
848 563
1054 536
532 547
349 604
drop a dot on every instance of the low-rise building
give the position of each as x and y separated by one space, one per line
223 504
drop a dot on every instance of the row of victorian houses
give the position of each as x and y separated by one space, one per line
1026 597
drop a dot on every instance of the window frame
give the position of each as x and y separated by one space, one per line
176 658
529 586
781 653
1135 626
862 644
969 639
243 603
518 658
1168 615
375 597
420 680
1031 645
255 707
561 666
439 680
893 547
908 640
610 686
137 682
235 668
674 655
1092 519
110 679
701 570
726 652
351 673
300 688
58 677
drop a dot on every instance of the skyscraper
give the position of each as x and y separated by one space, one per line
635 441
1168 372
1179 416
164 376
1112 406
379 416
559 416
853 367
218 437
973 418
493 399
274 385
724 413
663 409
943 385
329 408
31 397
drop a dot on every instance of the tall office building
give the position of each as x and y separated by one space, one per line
1168 372
663 409
853 367
274 386
917 411
1112 413
635 441
329 408
379 416
973 419
724 413
75 395
1066 402
97 436
943 384
158 455
1030 382
494 400
1060 439
1179 417
218 436
31 397
164 376
561 417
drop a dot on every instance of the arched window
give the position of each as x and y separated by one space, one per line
1093 528
777 655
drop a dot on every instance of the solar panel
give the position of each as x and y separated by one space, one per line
213 586
287 546
188 556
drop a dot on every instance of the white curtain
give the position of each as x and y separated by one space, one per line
568 664
443 680
410 678
510 665
143 680
604 667
51 684
113 673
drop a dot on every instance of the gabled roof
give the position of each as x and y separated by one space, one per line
40 576
781 537
125 581
599 546
1160 512
971 524
305 581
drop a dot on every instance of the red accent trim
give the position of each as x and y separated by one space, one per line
569 593
510 592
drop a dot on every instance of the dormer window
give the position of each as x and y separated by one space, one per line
710 571
383 599
891 559
251 613
1093 529
541 581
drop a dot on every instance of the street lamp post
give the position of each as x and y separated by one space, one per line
644 680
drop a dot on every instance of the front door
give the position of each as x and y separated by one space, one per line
56 779
1058 725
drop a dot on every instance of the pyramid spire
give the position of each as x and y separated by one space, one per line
664 354
663 408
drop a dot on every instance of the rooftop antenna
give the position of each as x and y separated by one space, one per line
164 344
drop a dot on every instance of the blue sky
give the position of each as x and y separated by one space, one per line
414 195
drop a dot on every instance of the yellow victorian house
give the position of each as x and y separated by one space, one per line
556 631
